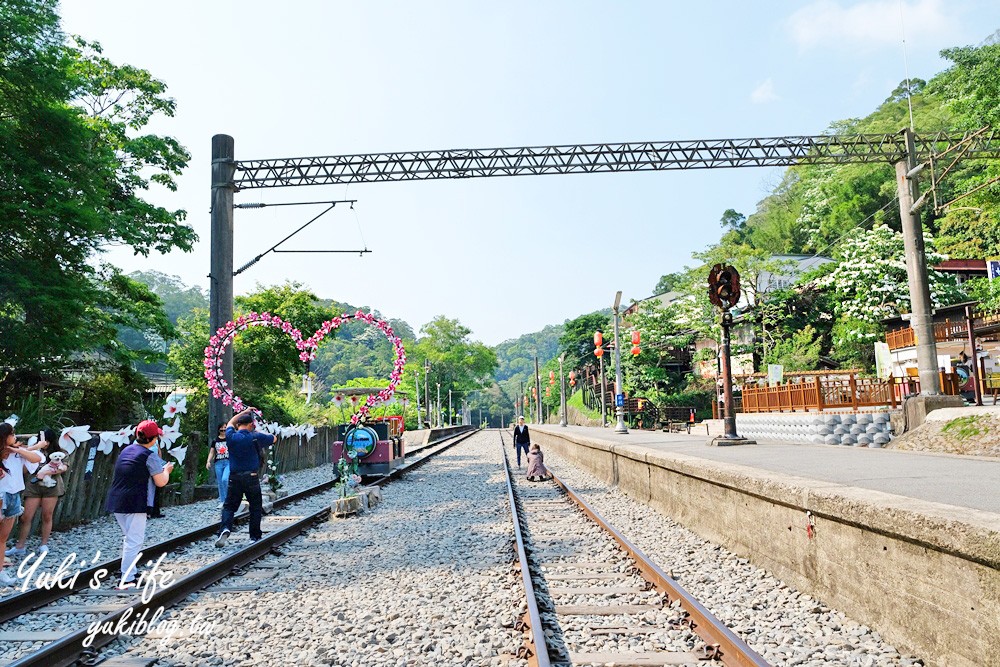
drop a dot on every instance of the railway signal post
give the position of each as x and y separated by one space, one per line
724 292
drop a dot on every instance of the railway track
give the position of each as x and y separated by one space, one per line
593 598
77 610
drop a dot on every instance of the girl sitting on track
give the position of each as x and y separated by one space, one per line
537 472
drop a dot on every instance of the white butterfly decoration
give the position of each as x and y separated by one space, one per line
122 436
286 431
107 442
171 432
12 420
309 432
72 437
175 405
178 453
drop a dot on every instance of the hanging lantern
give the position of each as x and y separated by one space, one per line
534 393
598 339
598 352
552 377
572 383
635 337
635 350
548 392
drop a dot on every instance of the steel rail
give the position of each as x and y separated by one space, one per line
27 601
538 656
732 650
71 650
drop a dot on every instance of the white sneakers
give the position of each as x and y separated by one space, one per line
7 579
43 549
16 552
223 538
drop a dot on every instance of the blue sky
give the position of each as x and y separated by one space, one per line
505 256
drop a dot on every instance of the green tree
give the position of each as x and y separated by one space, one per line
457 363
577 340
72 180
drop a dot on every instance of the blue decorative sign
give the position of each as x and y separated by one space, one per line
360 442
619 400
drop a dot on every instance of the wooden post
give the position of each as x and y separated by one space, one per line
221 275
853 383
974 366
819 395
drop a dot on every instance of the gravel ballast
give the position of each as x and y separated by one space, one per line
425 578
785 626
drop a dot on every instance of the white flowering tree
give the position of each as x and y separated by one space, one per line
870 284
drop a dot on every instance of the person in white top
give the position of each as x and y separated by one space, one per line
14 459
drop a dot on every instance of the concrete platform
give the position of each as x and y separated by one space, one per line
907 542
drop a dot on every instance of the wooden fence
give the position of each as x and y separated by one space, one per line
90 473
825 393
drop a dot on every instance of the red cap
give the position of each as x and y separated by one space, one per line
149 429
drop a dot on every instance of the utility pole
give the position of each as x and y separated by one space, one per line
604 395
450 420
221 277
520 397
416 384
438 405
538 393
427 392
619 390
921 318
562 391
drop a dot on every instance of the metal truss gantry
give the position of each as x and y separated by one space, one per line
602 158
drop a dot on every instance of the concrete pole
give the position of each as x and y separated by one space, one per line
438 411
619 390
221 274
416 384
562 391
427 393
538 393
921 318
604 394
450 420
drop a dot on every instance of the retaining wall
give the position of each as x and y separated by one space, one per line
925 575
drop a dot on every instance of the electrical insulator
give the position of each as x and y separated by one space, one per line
598 339
598 352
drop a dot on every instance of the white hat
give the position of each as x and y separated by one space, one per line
520 417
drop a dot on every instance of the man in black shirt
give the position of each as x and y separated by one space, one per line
521 439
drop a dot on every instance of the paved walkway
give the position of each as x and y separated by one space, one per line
961 481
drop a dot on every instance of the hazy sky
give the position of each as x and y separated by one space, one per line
505 256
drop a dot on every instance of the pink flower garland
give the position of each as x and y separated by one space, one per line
224 337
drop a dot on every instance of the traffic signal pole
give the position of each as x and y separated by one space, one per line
729 415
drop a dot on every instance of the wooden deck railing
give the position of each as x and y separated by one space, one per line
837 393
947 330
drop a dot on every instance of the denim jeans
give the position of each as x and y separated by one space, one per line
241 483
222 478
519 446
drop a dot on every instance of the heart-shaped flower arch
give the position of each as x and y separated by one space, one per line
227 333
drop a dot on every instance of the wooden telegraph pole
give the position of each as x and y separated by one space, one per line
221 277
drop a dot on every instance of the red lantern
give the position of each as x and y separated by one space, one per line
548 392
572 375
598 339
598 352
572 383
534 393
635 350
635 337
552 377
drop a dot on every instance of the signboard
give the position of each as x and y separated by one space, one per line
993 268
775 373
883 361
619 400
